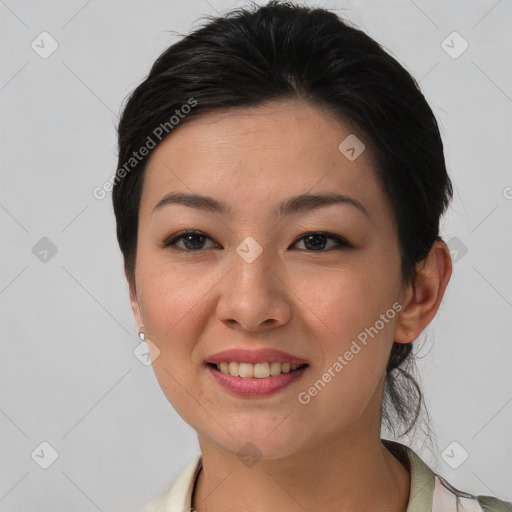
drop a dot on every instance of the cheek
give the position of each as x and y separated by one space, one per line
345 318
342 302
170 311
350 313
169 306
176 310
171 296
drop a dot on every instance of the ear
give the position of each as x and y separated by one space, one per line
135 308
423 297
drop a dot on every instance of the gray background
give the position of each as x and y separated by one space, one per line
68 373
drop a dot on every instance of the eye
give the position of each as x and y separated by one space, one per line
316 241
193 241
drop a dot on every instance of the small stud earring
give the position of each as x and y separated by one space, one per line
142 336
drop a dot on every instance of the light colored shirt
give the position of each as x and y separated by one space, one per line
429 492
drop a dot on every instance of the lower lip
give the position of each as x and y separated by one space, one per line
252 387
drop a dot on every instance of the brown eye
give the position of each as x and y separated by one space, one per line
193 241
317 241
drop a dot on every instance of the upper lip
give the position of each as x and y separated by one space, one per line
261 355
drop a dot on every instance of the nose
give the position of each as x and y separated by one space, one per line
254 298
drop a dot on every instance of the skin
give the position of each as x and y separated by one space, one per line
309 303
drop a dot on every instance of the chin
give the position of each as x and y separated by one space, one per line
256 441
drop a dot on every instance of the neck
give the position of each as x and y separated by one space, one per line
356 473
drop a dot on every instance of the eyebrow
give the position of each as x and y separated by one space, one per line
293 205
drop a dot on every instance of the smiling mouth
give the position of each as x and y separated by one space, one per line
257 371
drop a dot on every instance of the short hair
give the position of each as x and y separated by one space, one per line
279 51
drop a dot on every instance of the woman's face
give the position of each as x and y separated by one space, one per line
254 280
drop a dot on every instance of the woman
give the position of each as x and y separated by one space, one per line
280 184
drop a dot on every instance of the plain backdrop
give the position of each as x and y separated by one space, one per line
68 374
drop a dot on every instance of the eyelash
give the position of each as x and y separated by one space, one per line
170 242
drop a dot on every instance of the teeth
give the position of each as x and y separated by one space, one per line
258 370
233 369
245 370
275 368
261 370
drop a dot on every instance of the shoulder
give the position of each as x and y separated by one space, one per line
178 496
430 492
157 504
446 497
491 504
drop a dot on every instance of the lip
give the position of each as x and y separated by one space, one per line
253 387
261 355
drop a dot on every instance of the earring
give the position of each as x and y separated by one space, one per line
142 336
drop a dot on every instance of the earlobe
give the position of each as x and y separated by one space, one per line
424 296
135 308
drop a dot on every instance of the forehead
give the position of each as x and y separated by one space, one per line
254 156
